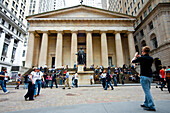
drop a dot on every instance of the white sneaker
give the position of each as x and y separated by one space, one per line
7 92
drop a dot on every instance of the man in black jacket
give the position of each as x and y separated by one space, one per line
146 76
108 81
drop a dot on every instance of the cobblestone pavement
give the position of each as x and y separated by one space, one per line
14 101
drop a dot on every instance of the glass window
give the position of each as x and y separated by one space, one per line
9 26
23 54
125 4
5 49
128 9
6 4
150 8
131 5
13 53
132 13
134 1
150 25
12 29
155 43
3 22
12 10
2 1
135 10
141 18
139 5
145 13
13 3
16 7
127 1
142 1
142 33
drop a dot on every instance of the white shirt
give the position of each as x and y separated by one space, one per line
5 78
91 77
76 76
103 75
36 76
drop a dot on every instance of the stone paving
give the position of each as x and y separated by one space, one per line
14 101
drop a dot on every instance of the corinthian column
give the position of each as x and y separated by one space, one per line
89 49
73 48
119 50
59 47
131 45
104 49
30 50
43 50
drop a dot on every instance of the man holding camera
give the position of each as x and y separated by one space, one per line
146 77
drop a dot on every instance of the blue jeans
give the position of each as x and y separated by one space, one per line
108 82
50 83
2 85
37 84
115 81
146 85
25 85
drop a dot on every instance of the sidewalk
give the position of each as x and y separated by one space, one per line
114 107
94 85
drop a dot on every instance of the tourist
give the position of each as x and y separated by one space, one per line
103 78
54 80
163 82
31 87
108 81
67 80
46 80
109 69
122 78
50 80
73 77
92 67
84 67
75 65
146 76
60 77
25 82
76 80
6 78
2 75
167 77
38 75
18 81
91 79
114 75
45 68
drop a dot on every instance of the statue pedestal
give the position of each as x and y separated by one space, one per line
80 68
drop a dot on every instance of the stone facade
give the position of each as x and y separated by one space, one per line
56 36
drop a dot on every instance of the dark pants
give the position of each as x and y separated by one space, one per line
103 82
30 92
54 80
168 83
163 83
75 82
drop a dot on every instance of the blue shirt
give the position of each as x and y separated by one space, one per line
67 75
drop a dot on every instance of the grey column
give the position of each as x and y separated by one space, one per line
104 49
131 45
73 48
89 49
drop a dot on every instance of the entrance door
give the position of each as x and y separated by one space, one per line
53 62
110 61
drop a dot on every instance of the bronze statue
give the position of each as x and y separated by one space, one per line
81 56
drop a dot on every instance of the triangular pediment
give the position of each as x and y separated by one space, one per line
80 11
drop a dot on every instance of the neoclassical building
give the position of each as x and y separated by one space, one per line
56 36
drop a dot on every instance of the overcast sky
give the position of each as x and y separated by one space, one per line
72 2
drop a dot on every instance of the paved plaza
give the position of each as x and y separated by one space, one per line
123 99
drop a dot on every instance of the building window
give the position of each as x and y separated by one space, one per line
137 49
132 14
137 22
16 7
125 4
23 63
139 5
155 43
2 1
145 13
135 10
128 9
135 39
13 3
23 54
15 13
13 53
143 43
131 5
3 22
150 25
12 29
126 12
127 1
9 26
5 49
142 33
134 1
141 18
150 8
6 4
142 1
12 10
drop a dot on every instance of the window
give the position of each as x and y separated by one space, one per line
2 1
139 5
137 22
135 39
13 3
5 49
125 4
9 26
137 48
155 43
23 54
20 11
150 8
134 1
142 33
150 25
132 13
143 44
141 18
6 4
127 1
142 1
145 13
3 22
13 53
135 10
12 10
12 29
15 13
128 9
16 7
131 5
126 12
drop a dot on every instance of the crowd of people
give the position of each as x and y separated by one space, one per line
40 78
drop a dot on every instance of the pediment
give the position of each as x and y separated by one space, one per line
80 11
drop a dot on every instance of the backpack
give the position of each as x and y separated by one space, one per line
168 73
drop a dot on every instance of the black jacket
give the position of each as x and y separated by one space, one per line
108 78
145 65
